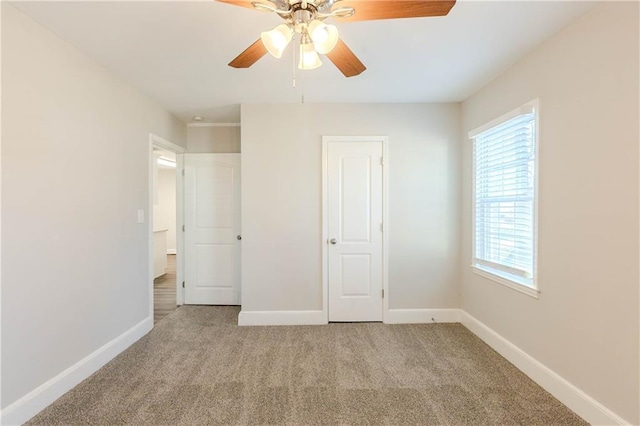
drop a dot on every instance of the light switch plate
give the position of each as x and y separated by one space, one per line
140 216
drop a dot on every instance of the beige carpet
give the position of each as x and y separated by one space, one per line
197 367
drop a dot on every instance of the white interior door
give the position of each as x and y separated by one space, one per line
354 200
212 228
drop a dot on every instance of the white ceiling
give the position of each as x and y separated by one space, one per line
177 52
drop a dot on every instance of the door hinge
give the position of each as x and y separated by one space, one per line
182 228
383 293
182 284
382 161
182 172
381 227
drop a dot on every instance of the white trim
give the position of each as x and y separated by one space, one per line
172 251
508 271
531 106
35 401
529 291
282 318
0 211
567 393
150 273
521 110
536 193
385 228
213 125
163 143
159 142
179 234
325 230
422 316
385 217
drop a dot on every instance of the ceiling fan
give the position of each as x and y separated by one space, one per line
306 19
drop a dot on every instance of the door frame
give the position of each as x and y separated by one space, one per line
159 142
385 218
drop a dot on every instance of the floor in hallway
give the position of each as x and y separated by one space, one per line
164 291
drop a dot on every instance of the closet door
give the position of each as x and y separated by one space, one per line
212 229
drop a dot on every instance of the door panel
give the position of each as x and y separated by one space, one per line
355 275
212 222
354 203
355 225
214 186
214 266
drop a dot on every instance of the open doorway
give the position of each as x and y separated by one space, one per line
165 236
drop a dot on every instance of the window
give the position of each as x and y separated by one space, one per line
504 206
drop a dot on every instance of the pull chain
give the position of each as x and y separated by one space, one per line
302 58
295 56
302 83
293 63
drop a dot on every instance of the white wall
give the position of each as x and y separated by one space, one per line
585 324
75 146
282 199
164 213
215 140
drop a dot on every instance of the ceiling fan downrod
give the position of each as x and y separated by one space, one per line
301 15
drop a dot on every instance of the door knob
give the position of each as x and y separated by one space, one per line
239 237
333 241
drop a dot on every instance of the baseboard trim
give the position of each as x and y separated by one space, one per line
395 316
172 251
282 318
422 316
570 395
35 401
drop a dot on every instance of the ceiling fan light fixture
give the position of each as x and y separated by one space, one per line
309 58
277 39
325 37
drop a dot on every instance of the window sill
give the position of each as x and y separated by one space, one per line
514 285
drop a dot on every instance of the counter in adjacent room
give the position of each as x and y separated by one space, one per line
159 252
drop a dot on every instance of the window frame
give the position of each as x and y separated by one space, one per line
481 268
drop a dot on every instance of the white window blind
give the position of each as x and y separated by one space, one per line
504 219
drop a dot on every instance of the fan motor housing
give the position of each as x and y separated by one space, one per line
301 17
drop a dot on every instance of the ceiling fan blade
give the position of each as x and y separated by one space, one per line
369 10
242 3
346 61
250 56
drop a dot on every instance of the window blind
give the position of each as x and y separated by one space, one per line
504 171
